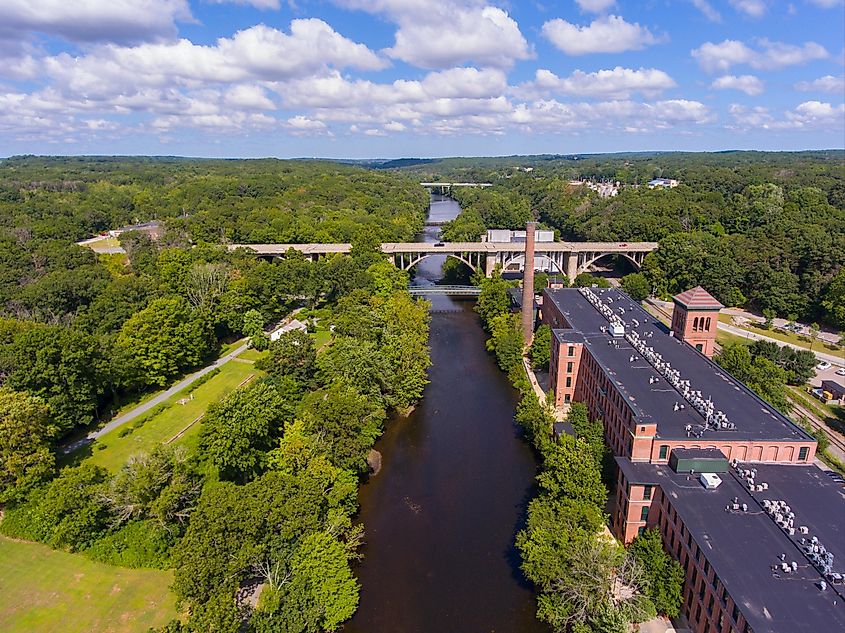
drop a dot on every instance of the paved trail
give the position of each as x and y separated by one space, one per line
152 402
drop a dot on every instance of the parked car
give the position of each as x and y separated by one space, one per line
824 365
840 371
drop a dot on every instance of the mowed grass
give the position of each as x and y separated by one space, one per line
43 590
167 424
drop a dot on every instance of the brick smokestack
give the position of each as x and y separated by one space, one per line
528 284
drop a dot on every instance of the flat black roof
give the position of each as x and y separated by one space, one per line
754 418
742 547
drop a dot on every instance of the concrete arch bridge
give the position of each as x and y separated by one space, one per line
566 258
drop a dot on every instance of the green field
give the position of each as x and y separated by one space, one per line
42 590
167 424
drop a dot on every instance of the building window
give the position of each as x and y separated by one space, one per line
644 513
570 351
710 606
568 382
640 530
735 614
706 567
647 492
566 397
802 454
569 367
664 451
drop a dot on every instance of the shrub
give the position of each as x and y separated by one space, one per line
137 544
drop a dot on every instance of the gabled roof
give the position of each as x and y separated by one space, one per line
697 299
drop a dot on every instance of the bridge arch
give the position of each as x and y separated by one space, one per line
635 259
416 258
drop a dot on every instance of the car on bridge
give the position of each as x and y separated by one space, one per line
439 244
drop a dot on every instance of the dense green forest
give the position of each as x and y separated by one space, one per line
267 495
766 230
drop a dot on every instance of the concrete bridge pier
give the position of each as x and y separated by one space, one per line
571 263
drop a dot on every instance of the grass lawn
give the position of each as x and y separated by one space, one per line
723 338
321 337
252 354
169 422
42 590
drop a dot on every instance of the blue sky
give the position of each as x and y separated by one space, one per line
392 78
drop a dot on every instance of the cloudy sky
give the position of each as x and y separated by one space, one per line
390 78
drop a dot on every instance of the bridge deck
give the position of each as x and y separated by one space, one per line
455 291
457 247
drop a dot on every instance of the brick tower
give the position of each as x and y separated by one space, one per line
695 319
528 284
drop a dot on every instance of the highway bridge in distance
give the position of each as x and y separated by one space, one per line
565 258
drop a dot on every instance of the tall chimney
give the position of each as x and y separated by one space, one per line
528 284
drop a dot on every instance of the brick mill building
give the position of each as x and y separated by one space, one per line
727 479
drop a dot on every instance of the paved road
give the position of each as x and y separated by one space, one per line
829 337
831 358
152 402
835 359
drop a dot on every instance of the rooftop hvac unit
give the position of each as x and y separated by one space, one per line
710 481
617 329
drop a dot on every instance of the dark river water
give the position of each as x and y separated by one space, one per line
456 476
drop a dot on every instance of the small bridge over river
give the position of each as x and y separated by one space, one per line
451 291
565 258
445 187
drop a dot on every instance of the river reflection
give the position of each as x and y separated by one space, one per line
456 475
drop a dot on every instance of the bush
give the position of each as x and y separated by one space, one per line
199 382
137 544
541 348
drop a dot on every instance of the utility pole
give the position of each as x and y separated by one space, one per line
528 284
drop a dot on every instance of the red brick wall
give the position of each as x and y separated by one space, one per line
696 327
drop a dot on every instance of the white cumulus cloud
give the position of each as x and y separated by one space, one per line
752 8
707 10
614 83
595 6
120 21
489 37
439 34
609 34
769 56
828 83
749 84
258 4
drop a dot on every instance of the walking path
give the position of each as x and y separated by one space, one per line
154 401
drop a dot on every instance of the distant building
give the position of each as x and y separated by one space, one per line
604 189
154 229
662 183
510 237
288 327
836 390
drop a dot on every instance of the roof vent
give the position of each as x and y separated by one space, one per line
710 481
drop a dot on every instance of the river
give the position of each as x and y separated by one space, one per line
456 476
